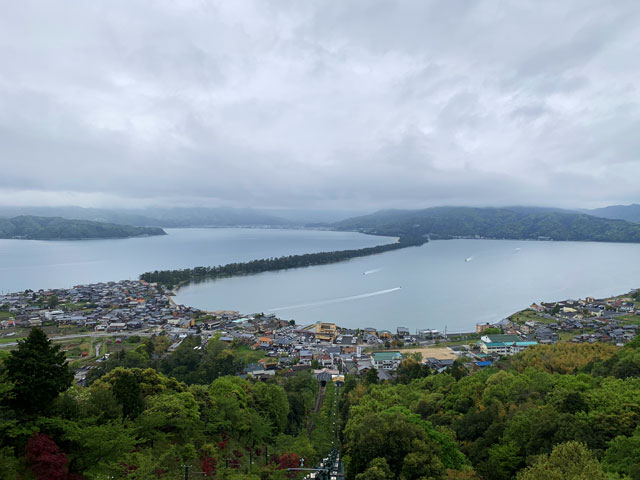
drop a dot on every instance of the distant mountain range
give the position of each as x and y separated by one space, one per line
630 213
521 223
56 228
610 224
177 217
156 217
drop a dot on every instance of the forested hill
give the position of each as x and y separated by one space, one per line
565 411
630 213
503 223
174 217
56 228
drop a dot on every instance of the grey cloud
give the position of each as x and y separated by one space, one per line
365 104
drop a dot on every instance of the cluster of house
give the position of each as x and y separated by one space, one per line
109 307
129 306
324 347
590 319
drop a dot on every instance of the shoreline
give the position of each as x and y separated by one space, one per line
175 291
566 316
179 277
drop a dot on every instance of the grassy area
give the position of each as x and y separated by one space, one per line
5 315
529 316
114 346
75 306
58 330
247 355
75 347
629 319
566 336
11 339
205 318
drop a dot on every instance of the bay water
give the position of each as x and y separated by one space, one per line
443 284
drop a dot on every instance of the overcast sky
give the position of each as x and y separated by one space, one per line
334 104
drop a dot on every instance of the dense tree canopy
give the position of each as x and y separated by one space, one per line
511 223
56 228
567 461
563 411
38 371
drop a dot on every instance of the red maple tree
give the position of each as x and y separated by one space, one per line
289 460
45 458
209 466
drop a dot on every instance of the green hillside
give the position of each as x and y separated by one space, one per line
630 213
565 411
56 228
502 223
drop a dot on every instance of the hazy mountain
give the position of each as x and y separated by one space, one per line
157 217
311 216
630 213
124 217
212 217
56 228
524 209
508 223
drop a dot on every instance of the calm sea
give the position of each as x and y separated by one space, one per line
38 264
451 284
443 284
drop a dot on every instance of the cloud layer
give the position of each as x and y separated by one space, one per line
358 104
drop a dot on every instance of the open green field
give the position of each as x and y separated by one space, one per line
15 338
629 319
65 329
566 336
204 318
77 306
529 316
73 348
245 353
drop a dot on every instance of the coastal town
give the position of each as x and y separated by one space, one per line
110 313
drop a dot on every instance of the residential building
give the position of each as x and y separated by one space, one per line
387 360
503 344
326 331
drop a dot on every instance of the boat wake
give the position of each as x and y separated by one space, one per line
337 300
375 270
